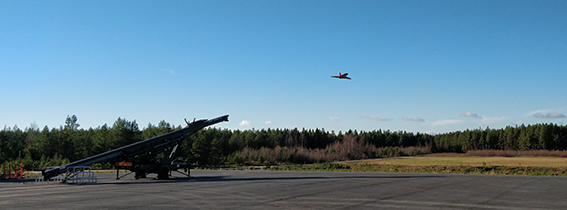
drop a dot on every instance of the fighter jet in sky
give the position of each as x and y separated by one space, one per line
341 76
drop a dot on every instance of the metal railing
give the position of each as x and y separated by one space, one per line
80 175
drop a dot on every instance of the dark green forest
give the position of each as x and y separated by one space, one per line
37 148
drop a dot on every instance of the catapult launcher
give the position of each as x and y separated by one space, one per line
141 157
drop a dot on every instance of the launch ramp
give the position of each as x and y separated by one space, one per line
142 154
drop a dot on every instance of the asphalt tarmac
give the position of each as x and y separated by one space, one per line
238 189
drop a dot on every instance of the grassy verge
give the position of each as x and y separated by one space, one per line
546 162
463 169
531 166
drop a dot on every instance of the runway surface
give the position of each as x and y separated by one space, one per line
293 190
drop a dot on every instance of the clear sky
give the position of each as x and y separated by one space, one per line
416 66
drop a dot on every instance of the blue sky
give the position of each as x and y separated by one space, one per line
416 66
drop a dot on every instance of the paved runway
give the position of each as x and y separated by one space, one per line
294 190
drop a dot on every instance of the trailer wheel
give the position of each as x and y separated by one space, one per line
140 174
163 172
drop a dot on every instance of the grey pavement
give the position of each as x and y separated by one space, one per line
238 189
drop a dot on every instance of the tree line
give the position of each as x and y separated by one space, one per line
522 138
213 146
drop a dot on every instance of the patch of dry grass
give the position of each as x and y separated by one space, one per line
548 162
514 153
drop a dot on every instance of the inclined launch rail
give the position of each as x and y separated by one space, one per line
141 151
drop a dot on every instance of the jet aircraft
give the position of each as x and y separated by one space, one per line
342 76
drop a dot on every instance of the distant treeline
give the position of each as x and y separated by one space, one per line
46 147
531 137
